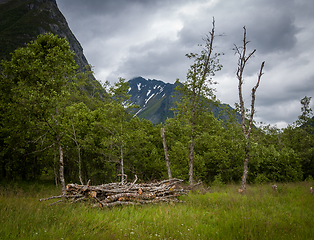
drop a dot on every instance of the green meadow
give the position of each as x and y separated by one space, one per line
211 213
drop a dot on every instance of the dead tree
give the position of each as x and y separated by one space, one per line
246 128
166 152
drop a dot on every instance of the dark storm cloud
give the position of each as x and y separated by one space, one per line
100 7
152 59
275 33
124 38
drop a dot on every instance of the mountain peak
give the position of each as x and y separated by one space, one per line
154 98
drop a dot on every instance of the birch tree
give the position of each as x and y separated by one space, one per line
39 76
162 133
246 125
120 94
196 90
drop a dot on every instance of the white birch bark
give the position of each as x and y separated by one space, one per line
166 153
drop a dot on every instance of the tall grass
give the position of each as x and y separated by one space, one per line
222 213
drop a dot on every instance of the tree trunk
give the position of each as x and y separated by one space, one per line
56 176
80 165
54 169
121 151
79 154
245 168
61 169
34 169
191 161
122 165
23 170
166 152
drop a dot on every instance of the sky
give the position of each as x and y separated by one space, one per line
149 38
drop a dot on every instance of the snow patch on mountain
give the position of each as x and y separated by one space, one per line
146 100
139 86
137 112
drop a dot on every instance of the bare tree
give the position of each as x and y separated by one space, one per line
246 127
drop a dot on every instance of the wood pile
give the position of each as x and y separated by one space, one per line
113 194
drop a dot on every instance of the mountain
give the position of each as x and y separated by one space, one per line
21 21
156 97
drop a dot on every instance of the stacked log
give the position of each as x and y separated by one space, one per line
113 194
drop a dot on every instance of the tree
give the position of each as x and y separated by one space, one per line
162 133
196 90
119 93
40 76
299 136
144 155
246 128
271 160
119 112
77 126
306 112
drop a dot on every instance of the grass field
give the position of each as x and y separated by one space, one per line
221 213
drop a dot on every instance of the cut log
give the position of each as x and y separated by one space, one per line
129 193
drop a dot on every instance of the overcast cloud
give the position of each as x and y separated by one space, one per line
149 38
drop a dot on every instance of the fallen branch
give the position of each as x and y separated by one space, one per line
54 203
60 196
79 199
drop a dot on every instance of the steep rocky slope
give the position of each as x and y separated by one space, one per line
21 21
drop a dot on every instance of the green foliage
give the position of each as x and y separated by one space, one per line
300 138
195 93
218 181
309 179
35 88
306 112
261 178
45 102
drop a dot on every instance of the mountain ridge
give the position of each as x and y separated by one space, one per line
155 99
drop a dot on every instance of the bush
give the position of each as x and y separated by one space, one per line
309 179
261 178
218 181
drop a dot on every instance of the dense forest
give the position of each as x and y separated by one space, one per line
58 123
